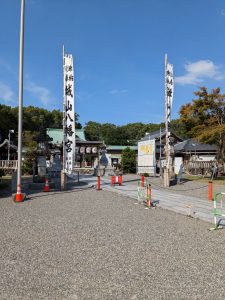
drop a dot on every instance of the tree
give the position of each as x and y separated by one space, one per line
178 127
133 132
109 134
92 131
77 124
204 118
30 157
8 121
128 160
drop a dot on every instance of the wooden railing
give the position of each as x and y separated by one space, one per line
9 164
198 167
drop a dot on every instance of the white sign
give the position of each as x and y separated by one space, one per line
178 163
146 157
69 113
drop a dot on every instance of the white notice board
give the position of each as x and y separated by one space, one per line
146 157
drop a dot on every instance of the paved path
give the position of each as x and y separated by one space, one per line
195 207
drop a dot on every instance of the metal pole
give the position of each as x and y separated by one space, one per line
20 118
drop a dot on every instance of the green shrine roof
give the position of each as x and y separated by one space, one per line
115 147
57 135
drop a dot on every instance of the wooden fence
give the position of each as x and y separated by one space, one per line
198 167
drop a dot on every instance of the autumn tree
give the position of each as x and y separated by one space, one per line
204 118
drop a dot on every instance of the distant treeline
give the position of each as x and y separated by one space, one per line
126 134
109 133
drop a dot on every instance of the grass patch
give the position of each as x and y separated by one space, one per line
218 180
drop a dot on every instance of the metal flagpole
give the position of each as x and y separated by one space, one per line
19 197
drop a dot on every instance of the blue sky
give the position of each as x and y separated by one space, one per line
118 48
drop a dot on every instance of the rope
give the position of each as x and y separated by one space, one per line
170 189
161 187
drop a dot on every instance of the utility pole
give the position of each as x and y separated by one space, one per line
19 197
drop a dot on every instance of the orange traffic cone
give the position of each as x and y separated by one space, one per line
46 187
18 197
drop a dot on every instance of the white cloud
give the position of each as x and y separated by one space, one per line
196 72
6 93
39 92
115 91
222 12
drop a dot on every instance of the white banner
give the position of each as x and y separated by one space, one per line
169 87
69 114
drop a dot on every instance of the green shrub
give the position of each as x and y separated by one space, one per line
128 161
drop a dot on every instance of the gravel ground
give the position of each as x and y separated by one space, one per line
89 244
193 188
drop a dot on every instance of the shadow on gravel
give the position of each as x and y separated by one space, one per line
57 192
35 193
131 180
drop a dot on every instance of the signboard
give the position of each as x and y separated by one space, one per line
69 114
178 162
146 157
